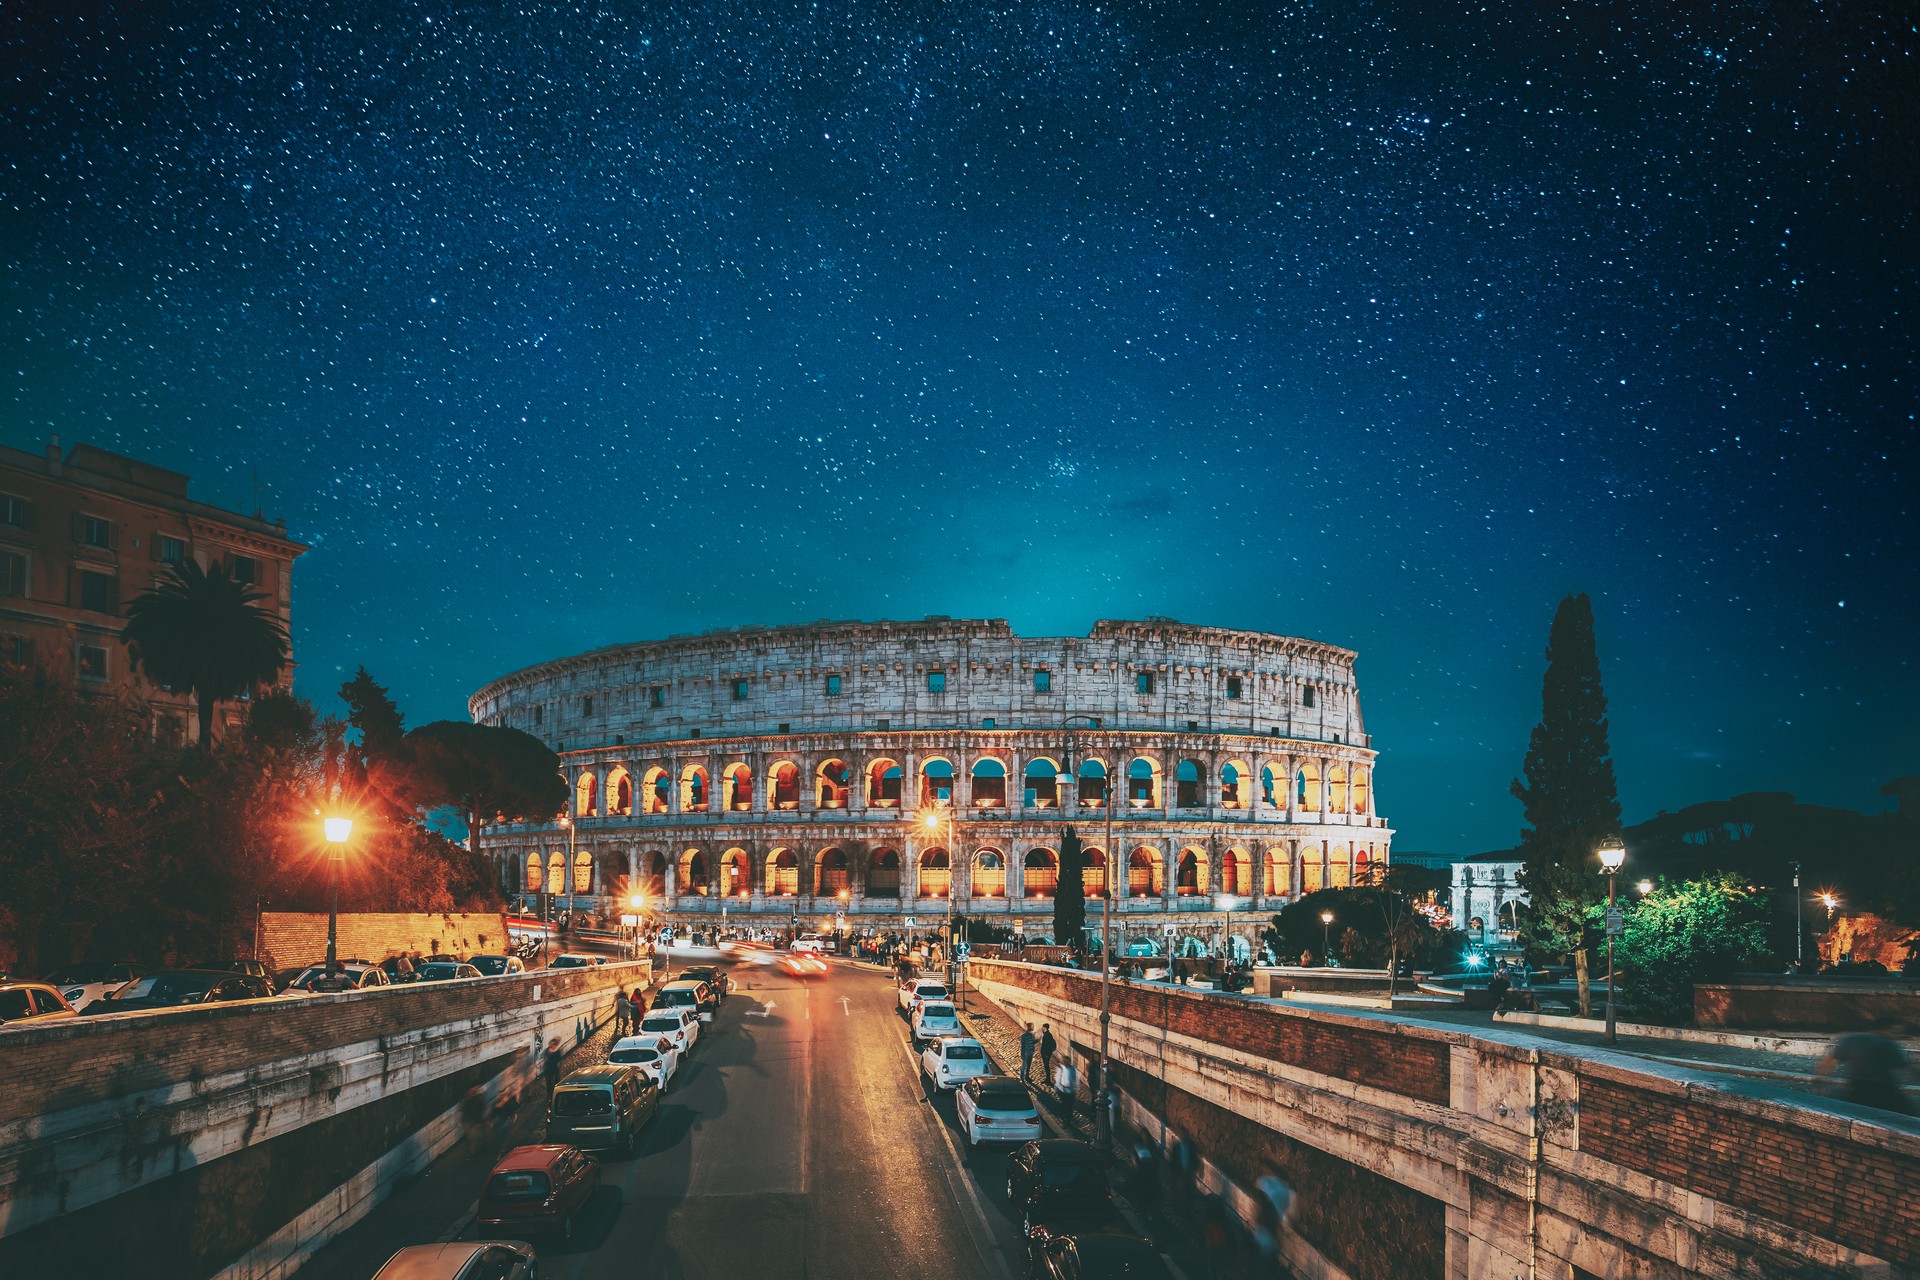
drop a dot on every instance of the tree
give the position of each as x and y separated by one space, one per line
1704 930
203 632
484 771
1403 927
1070 894
1568 794
376 768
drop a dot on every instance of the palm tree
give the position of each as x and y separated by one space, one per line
203 631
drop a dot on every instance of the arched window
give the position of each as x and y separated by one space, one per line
693 789
582 871
1313 874
1336 788
1143 874
832 778
1279 872
883 877
736 874
989 874
1338 868
1309 792
1093 872
557 871
936 782
1236 785
936 877
654 790
1143 784
1042 789
883 784
1187 784
1269 787
655 874
620 791
533 872
737 788
1362 866
786 785
989 783
1235 877
1192 873
783 874
1093 784
585 792
693 873
830 874
1362 791
1042 873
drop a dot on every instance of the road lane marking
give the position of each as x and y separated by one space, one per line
762 1011
845 1007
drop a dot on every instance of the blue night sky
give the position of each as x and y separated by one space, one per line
1386 324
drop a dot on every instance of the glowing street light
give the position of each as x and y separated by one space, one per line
339 830
1326 937
1612 854
1645 887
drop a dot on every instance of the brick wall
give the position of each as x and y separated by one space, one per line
1824 1183
1413 1066
1807 1006
292 938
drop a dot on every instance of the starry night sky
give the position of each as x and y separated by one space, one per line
1383 324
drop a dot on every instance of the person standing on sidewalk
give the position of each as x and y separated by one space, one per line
1047 1047
550 1066
620 1008
1067 1083
1027 1045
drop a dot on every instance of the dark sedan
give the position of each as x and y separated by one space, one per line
1059 1187
1100 1255
176 988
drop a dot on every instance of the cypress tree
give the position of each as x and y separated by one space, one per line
1568 794
1070 896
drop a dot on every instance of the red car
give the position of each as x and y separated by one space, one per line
802 964
537 1188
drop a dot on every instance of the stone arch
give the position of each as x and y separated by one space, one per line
1143 783
1145 878
557 871
1313 869
535 865
1187 789
695 789
783 874
936 874
1040 783
989 874
1191 878
694 878
1339 870
583 871
1362 865
654 789
1273 784
1308 790
1336 788
830 873
1093 871
833 782
653 875
988 789
586 794
736 873
884 784
1092 783
1236 785
1236 873
620 791
1040 874
1362 791
783 786
611 865
936 781
883 877
736 787
1279 877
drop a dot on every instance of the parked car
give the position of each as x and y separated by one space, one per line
22 1003
953 1060
174 988
444 971
813 942
916 989
494 966
655 1055
81 984
1099 1255
284 978
573 960
997 1109
711 974
465 1260
396 973
353 975
681 1026
935 1018
697 996
252 968
539 1188
1059 1187
602 1107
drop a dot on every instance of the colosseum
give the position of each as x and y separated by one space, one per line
875 773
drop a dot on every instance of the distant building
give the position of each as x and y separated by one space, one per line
81 535
1487 896
1430 861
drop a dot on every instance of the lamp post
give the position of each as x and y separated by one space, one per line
1799 923
932 822
635 902
1226 928
1612 854
1110 862
1326 938
546 885
339 831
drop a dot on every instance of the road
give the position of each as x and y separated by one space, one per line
798 1140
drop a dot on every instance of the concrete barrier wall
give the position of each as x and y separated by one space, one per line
1802 1005
264 1108
1543 1161
300 937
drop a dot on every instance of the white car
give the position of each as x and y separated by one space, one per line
951 1061
82 984
682 1026
933 1019
917 989
997 1109
351 975
654 1055
811 942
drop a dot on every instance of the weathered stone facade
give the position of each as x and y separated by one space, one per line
807 770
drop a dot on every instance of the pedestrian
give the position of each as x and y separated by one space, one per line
620 1008
1870 1067
636 1008
1028 1042
473 1116
550 1066
504 1113
1066 1082
1047 1047
1497 987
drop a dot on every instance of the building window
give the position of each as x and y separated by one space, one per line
539 714
586 705
833 686
936 682
657 696
96 532
13 574
1233 686
1306 695
99 592
170 730
986 724
93 662
1043 682
1143 682
14 511
243 569
739 690
17 650
170 550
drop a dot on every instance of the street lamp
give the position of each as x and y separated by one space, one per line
636 903
1645 887
546 892
1110 863
932 822
339 830
1612 854
1226 927
1799 923
1326 937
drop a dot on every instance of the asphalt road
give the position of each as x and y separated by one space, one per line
798 1140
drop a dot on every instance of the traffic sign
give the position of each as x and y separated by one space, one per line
1616 922
961 950
909 922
